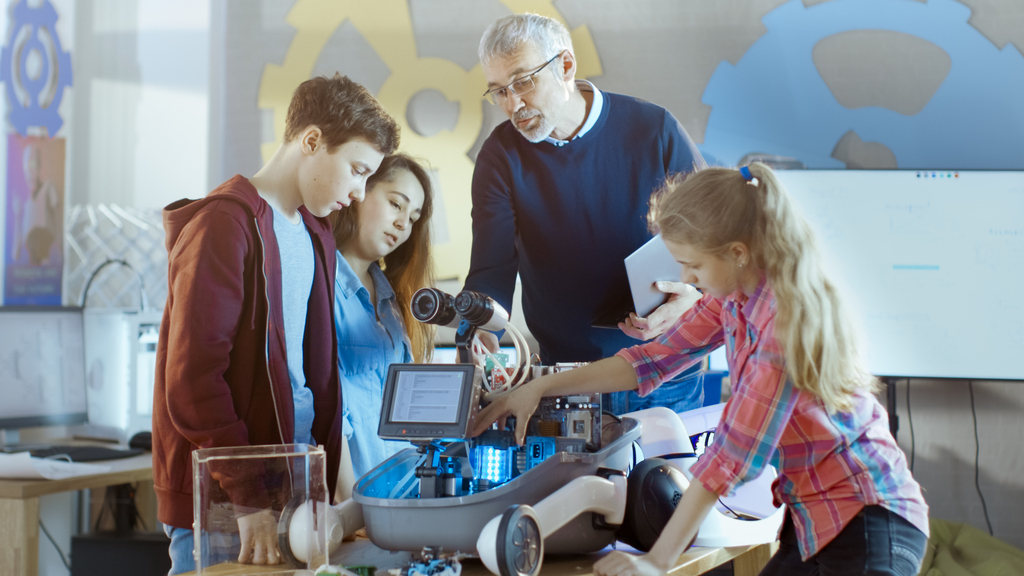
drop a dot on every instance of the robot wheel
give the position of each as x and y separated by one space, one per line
520 547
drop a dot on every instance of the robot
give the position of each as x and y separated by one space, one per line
579 482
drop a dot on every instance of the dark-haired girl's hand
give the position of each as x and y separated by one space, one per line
488 340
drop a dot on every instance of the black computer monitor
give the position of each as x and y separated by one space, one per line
429 401
42 366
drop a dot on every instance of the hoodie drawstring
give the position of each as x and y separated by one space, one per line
256 277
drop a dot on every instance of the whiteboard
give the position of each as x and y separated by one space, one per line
42 367
930 264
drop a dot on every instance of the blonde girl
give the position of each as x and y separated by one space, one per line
800 392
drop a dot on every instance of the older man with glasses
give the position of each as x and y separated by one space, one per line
560 197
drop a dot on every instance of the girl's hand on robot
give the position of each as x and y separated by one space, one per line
521 402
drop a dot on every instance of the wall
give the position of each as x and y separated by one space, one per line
142 108
136 123
833 84
171 99
943 447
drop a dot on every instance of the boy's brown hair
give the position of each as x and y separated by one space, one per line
343 110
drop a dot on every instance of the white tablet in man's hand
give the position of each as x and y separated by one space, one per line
651 263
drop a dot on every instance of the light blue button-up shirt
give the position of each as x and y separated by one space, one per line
370 338
595 112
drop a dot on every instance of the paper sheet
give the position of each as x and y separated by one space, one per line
24 467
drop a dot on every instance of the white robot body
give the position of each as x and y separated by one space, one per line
664 435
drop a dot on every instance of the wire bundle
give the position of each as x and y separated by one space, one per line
522 370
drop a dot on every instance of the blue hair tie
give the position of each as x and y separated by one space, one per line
750 178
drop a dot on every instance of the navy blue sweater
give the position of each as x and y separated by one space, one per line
565 218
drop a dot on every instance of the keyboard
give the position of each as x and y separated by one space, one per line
84 453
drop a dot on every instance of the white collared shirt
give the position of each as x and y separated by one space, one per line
595 112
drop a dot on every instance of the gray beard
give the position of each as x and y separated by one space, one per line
538 134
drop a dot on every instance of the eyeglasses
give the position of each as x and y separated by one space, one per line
519 87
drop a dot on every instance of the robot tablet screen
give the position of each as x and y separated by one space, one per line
429 401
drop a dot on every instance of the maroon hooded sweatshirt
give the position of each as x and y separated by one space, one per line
221 373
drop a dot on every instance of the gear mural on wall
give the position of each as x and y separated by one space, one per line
38 102
387 26
775 101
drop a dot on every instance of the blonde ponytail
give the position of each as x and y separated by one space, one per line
715 207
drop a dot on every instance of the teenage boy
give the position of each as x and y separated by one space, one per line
247 350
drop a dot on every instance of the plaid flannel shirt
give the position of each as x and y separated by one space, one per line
830 465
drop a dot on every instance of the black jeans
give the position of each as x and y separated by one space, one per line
875 542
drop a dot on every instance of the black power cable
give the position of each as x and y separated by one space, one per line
143 304
119 501
734 513
910 422
977 454
54 542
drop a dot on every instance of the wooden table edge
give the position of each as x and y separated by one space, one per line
127 470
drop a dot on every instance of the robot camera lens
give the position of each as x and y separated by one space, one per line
432 306
473 306
425 306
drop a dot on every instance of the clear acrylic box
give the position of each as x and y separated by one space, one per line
273 497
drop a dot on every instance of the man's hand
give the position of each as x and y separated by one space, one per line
622 564
258 533
681 298
487 340
483 342
521 403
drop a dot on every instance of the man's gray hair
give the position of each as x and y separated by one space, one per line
507 35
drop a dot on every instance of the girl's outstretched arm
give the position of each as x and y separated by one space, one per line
675 538
608 375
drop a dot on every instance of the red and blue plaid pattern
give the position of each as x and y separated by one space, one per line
830 465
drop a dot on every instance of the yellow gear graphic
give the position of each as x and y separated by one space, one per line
387 27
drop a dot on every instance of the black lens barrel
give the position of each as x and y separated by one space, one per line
474 307
432 306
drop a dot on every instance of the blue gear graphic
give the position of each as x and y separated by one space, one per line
22 117
775 101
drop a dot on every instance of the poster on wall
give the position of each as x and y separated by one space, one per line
35 221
